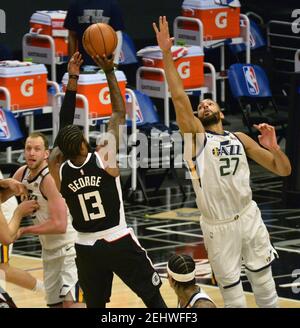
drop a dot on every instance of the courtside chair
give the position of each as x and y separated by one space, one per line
250 87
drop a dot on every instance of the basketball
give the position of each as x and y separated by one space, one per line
99 39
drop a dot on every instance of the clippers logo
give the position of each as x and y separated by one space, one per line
104 96
27 88
251 81
184 70
4 129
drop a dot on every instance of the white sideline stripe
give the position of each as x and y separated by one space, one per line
287 250
177 232
295 284
26 257
250 293
293 217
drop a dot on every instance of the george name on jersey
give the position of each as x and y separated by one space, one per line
88 181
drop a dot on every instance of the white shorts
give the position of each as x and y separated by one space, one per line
60 274
245 238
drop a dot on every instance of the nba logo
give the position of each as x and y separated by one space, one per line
122 57
251 80
252 41
139 114
4 130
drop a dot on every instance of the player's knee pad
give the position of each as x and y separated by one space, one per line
263 287
234 296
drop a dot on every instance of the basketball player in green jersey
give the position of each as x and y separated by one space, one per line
231 221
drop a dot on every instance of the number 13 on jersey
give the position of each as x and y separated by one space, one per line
99 212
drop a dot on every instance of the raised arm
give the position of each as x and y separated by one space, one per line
57 220
109 144
270 155
67 111
72 42
117 101
185 118
66 114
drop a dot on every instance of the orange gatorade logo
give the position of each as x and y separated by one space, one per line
184 70
104 96
221 20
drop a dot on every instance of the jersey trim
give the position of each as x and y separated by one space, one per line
40 185
38 175
240 142
224 134
202 148
79 167
24 172
100 160
200 295
42 174
232 285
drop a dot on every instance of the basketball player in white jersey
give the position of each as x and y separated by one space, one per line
12 274
231 222
52 224
181 271
8 230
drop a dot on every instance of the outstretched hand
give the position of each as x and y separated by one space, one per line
16 187
107 64
164 40
267 138
74 64
27 207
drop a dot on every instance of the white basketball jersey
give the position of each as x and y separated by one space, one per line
221 180
51 241
200 295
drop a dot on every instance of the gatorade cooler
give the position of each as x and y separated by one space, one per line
95 88
26 82
188 61
50 23
219 21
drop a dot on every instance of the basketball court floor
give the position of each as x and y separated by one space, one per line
169 224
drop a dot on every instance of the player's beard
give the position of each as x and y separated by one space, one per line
211 119
35 165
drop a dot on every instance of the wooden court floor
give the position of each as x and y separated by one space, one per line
122 296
